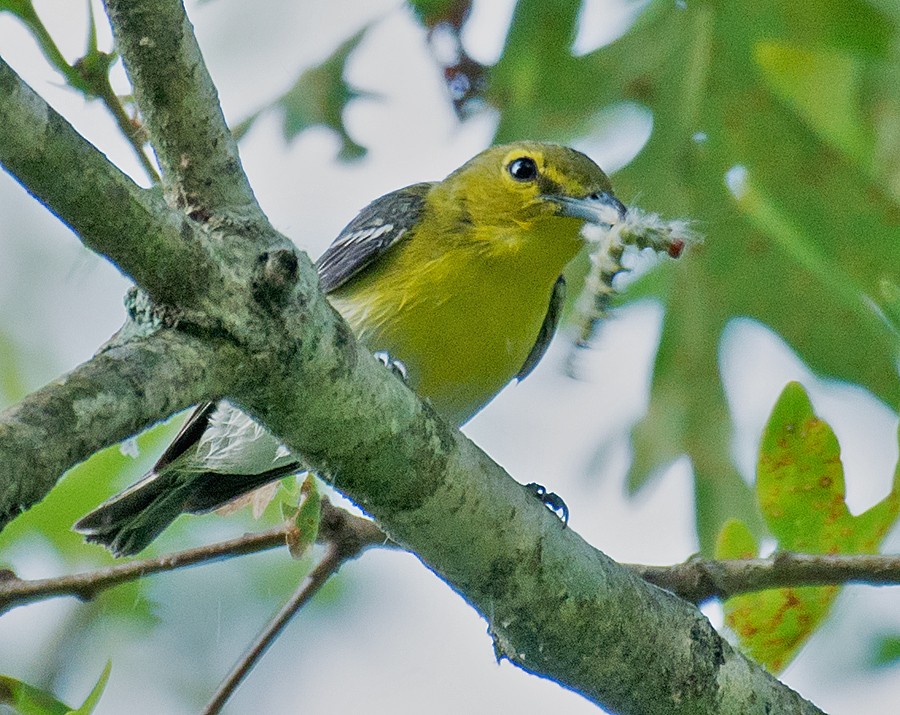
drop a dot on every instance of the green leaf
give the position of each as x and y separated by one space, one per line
434 12
887 650
28 700
800 484
87 707
736 541
306 518
537 84
814 82
801 492
318 98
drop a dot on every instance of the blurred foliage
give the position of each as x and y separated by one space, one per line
800 490
887 650
12 383
28 700
83 487
317 98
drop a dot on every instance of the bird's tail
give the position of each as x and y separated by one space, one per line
130 520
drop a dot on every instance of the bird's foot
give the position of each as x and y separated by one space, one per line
395 366
551 500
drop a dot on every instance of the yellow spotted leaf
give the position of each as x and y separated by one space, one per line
801 492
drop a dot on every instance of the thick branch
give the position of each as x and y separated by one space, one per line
699 580
105 400
199 157
539 585
113 216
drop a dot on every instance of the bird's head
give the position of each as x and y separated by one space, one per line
520 183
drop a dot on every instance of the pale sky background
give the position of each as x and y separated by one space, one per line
398 640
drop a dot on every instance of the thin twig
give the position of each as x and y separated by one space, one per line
91 84
699 580
85 586
348 537
695 580
308 588
17 592
132 131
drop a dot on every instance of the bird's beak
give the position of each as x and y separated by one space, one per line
601 208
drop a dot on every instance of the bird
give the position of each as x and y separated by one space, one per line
455 284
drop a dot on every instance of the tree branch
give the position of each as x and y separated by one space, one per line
309 587
337 525
202 171
101 402
695 580
85 586
699 580
111 214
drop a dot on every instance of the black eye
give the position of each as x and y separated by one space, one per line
522 169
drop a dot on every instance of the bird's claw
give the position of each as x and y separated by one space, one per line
395 366
551 500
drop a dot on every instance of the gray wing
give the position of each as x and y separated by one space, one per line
548 329
187 436
367 237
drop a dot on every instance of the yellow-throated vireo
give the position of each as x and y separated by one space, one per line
459 280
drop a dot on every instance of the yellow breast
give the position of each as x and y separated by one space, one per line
463 319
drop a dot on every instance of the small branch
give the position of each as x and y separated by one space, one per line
48 46
132 130
101 402
308 588
87 585
699 580
110 213
199 158
91 84
347 536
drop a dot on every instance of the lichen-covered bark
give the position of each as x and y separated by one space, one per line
199 158
100 403
109 212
